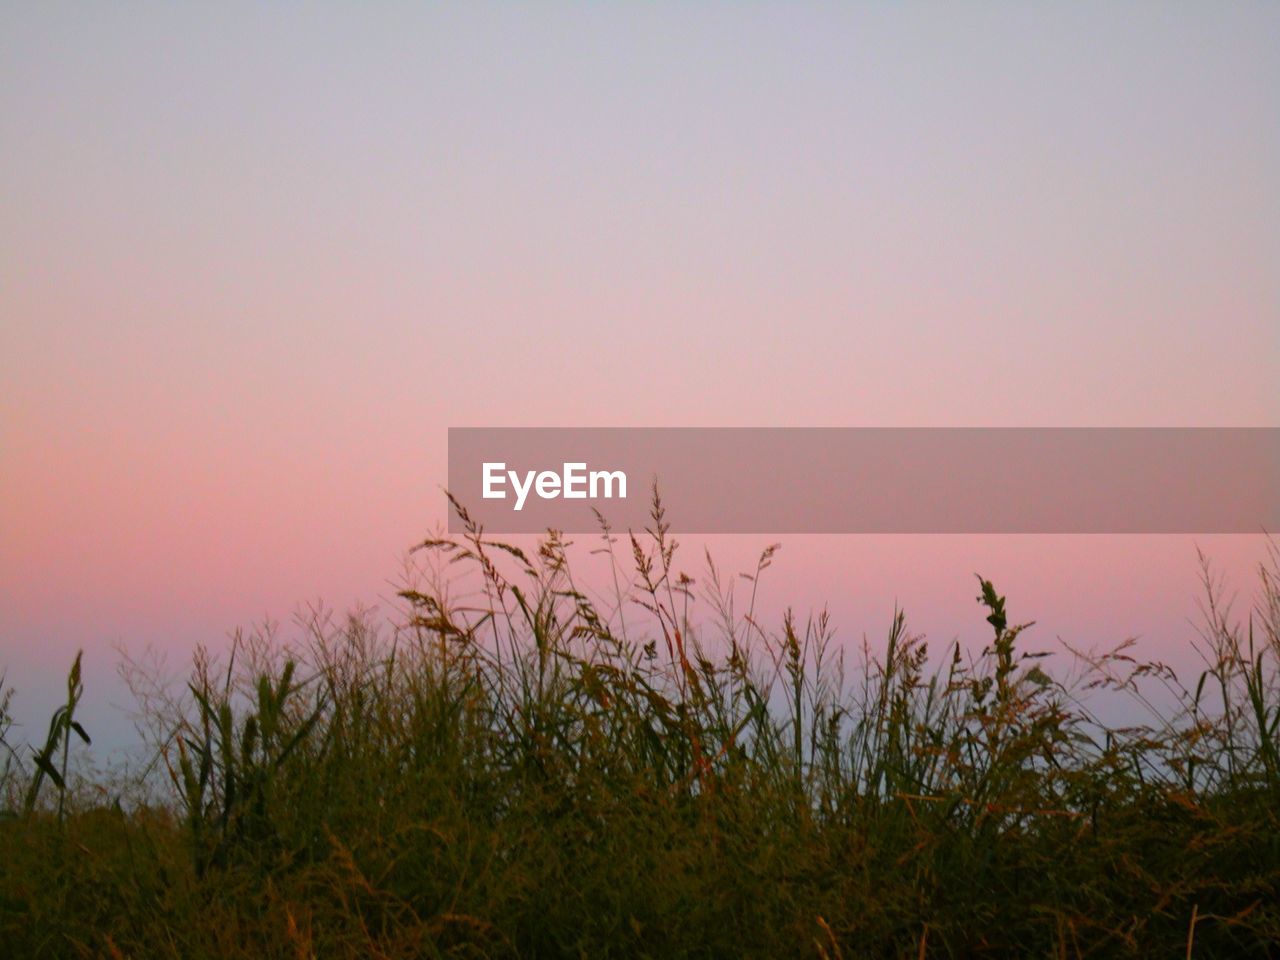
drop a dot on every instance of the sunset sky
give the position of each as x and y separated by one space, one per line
256 259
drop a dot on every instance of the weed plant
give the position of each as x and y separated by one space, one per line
517 767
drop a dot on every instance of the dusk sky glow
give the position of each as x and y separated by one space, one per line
255 260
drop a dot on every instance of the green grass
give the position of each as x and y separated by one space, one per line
518 769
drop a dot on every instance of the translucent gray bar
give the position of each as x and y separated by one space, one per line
875 480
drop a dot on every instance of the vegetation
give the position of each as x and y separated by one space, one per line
517 768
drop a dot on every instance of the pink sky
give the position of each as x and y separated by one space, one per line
255 261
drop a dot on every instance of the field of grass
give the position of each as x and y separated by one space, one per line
514 768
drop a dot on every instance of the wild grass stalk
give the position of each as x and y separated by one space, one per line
511 767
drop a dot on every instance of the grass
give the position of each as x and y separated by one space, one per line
518 768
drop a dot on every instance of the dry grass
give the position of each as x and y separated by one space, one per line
516 768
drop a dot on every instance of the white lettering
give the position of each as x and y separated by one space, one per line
574 483
493 475
521 491
575 473
609 477
548 484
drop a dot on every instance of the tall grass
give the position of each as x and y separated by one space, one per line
519 767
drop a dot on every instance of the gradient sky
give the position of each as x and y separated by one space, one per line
255 259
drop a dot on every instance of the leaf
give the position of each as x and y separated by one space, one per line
43 763
80 730
1038 677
